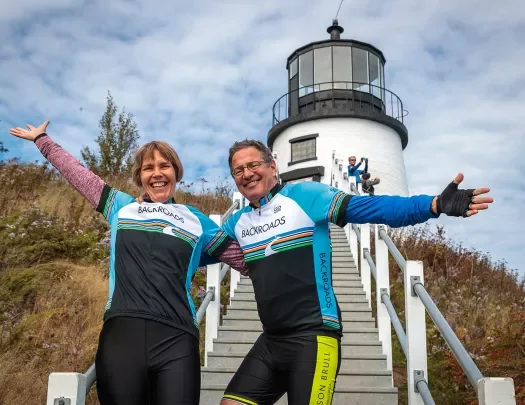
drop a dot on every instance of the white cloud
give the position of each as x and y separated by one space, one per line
203 74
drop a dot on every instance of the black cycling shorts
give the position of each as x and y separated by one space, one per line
304 367
140 361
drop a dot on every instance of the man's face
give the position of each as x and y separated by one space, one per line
256 183
351 161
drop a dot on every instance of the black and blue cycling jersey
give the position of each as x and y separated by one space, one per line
155 251
287 249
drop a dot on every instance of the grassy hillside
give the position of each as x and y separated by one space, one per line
53 287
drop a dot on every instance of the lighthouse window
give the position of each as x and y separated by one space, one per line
303 148
293 68
360 69
373 62
306 73
323 68
342 66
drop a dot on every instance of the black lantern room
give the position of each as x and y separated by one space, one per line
337 78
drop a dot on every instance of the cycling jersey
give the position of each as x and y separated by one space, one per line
155 251
286 245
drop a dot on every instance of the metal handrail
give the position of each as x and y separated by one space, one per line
385 299
91 375
371 263
229 211
210 295
357 231
396 254
421 383
222 274
396 323
378 99
467 364
424 391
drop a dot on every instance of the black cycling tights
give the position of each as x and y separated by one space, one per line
141 362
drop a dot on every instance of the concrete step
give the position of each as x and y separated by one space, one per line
250 296
338 279
251 313
343 262
347 378
350 361
348 347
347 283
339 254
348 290
211 394
351 298
345 276
341 247
347 311
345 303
253 332
348 322
241 288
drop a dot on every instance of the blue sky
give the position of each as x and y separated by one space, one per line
202 74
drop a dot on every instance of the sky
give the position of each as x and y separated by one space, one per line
203 74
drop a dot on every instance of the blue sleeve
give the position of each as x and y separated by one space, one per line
111 201
394 211
215 240
321 202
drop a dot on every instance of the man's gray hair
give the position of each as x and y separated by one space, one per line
266 153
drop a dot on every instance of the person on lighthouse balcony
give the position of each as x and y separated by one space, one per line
284 235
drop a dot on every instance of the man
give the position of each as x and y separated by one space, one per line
284 234
368 184
353 168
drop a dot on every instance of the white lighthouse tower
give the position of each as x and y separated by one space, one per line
337 100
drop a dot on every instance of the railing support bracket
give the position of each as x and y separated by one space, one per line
413 281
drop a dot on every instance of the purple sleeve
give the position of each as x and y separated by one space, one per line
234 257
84 181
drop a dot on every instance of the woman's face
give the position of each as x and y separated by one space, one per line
157 175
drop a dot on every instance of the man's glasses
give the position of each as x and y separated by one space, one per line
251 166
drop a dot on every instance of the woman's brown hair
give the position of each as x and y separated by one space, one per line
165 150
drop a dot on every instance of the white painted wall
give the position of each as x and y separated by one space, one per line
350 136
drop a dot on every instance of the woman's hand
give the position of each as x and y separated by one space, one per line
30 134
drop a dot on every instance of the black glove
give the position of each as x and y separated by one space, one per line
454 202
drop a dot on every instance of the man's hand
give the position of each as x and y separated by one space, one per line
460 203
32 133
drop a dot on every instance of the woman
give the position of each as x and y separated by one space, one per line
149 344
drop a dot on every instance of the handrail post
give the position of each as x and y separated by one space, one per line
365 267
415 332
383 283
235 276
353 244
213 310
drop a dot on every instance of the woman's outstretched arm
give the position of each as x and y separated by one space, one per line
84 181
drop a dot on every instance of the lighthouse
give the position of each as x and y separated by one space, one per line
337 100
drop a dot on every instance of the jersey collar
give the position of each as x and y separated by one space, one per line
267 198
170 201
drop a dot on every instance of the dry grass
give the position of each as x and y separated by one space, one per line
55 327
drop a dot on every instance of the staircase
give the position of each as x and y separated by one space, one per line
363 378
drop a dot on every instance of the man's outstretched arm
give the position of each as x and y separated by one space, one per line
396 211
